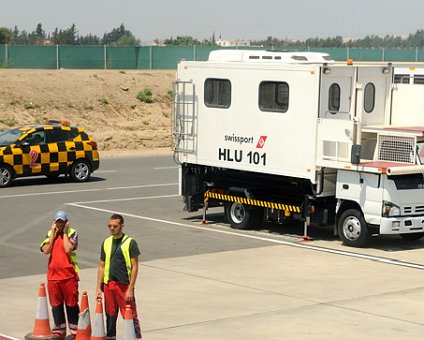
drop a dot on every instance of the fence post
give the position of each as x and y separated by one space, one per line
382 54
57 57
194 52
104 57
347 53
6 55
150 57
416 54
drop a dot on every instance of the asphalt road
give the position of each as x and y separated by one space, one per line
208 281
144 190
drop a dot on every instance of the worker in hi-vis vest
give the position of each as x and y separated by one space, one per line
61 243
117 274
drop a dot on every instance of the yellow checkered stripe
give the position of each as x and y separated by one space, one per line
249 201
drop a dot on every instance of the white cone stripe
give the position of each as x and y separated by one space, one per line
129 332
98 329
42 312
84 319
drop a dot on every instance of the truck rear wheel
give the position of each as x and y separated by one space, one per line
243 217
353 229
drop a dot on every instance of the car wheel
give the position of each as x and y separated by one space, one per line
6 176
243 217
353 229
80 171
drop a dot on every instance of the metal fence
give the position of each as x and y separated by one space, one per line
162 57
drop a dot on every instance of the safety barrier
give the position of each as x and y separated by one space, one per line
162 57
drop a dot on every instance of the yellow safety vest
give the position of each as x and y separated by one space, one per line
125 248
72 254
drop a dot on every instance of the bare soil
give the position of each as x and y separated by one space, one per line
104 102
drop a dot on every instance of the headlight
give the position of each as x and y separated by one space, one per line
390 209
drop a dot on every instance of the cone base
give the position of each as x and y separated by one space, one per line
29 336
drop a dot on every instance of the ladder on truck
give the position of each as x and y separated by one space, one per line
184 117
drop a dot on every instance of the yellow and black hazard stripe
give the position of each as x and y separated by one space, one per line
250 201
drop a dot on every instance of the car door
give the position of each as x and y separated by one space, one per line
33 157
56 141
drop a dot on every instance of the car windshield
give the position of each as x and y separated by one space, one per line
420 151
10 136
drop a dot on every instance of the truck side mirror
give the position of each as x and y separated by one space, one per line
355 154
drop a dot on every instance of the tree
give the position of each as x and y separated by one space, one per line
181 41
127 40
39 32
119 36
5 35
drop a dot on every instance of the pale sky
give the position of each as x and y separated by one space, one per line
230 19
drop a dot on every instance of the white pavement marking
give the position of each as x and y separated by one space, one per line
125 199
143 186
89 190
287 243
7 337
166 167
104 171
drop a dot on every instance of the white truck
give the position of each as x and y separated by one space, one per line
278 135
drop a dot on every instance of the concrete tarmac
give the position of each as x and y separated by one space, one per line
271 292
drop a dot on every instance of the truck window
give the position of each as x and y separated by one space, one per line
274 96
420 152
217 93
401 79
334 98
369 97
419 79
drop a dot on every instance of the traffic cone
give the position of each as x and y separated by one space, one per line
98 332
42 328
129 332
84 322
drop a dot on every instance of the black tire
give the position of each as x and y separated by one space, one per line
353 230
80 171
412 237
6 176
243 217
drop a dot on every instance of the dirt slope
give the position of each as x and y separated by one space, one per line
103 102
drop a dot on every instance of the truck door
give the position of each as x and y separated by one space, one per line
336 93
374 95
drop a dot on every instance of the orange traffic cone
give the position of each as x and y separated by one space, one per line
129 332
98 332
42 328
84 322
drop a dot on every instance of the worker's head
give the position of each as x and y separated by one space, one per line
60 218
116 223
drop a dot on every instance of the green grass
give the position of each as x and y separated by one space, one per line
145 95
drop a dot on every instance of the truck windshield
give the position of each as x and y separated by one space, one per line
10 136
420 151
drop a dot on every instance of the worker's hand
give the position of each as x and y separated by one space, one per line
65 229
98 294
53 227
129 295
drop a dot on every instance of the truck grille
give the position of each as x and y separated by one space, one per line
414 210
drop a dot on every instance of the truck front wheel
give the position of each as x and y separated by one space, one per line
242 217
353 229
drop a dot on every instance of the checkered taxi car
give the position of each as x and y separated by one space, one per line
51 149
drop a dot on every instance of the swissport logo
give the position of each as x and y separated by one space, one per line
261 142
